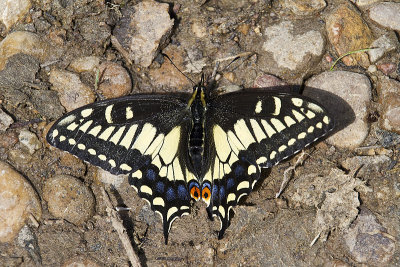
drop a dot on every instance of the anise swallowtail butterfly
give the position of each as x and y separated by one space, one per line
178 147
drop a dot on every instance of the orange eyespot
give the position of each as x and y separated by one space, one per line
206 194
195 193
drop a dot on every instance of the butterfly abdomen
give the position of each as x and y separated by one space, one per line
196 138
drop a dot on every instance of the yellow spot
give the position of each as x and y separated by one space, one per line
278 124
261 160
137 174
95 130
86 112
258 107
127 140
107 113
319 125
85 126
310 129
272 155
81 146
145 138
326 120
102 157
297 102
243 133
128 113
258 132
244 184
170 145
72 126
221 211
112 163
282 148
71 141
158 201
289 121
301 135
146 189
251 170
278 105
115 138
106 133
125 167
221 143
92 151
171 212
291 141
268 129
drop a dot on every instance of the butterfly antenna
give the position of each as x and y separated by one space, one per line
173 64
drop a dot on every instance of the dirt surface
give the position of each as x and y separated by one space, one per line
264 231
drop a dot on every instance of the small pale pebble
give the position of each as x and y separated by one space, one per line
114 80
83 64
5 121
72 92
372 68
267 80
69 199
23 42
199 29
13 11
389 98
18 200
29 141
304 7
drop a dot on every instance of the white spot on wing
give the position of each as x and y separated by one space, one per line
107 113
67 120
127 140
221 143
268 129
86 112
106 133
95 130
85 126
146 189
170 145
145 138
278 124
244 184
289 121
258 132
243 133
117 136
128 113
258 107
297 101
278 106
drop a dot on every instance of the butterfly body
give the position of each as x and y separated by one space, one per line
197 146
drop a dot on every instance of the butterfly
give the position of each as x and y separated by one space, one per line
176 148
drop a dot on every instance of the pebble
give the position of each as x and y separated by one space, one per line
267 80
23 42
29 141
348 32
362 3
68 198
17 201
82 64
108 178
355 90
292 51
304 7
71 91
114 80
381 46
387 68
199 29
386 14
368 242
139 34
13 11
389 98
5 121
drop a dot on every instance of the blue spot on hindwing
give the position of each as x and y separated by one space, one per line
221 193
230 183
151 175
170 195
160 187
239 170
183 193
215 192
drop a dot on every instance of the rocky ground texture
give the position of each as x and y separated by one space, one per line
342 206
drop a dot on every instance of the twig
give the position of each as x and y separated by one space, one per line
286 177
119 227
315 239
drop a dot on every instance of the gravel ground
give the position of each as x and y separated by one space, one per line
341 207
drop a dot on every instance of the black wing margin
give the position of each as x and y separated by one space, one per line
253 130
141 135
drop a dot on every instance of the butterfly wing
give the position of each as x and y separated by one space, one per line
252 130
144 136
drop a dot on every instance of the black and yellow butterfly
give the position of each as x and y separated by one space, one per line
178 147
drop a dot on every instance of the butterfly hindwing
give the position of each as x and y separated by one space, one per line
143 136
250 131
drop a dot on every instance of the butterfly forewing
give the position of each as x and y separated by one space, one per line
249 131
144 136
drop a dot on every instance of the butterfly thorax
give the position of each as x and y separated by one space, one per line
196 138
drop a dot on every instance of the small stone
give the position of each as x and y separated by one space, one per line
83 64
69 199
18 200
382 45
372 68
244 28
111 179
386 14
355 90
387 68
30 141
230 76
362 3
5 121
292 51
23 42
348 32
389 97
267 80
71 91
140 33
199 29
13 11
304 7
368 241
114 80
